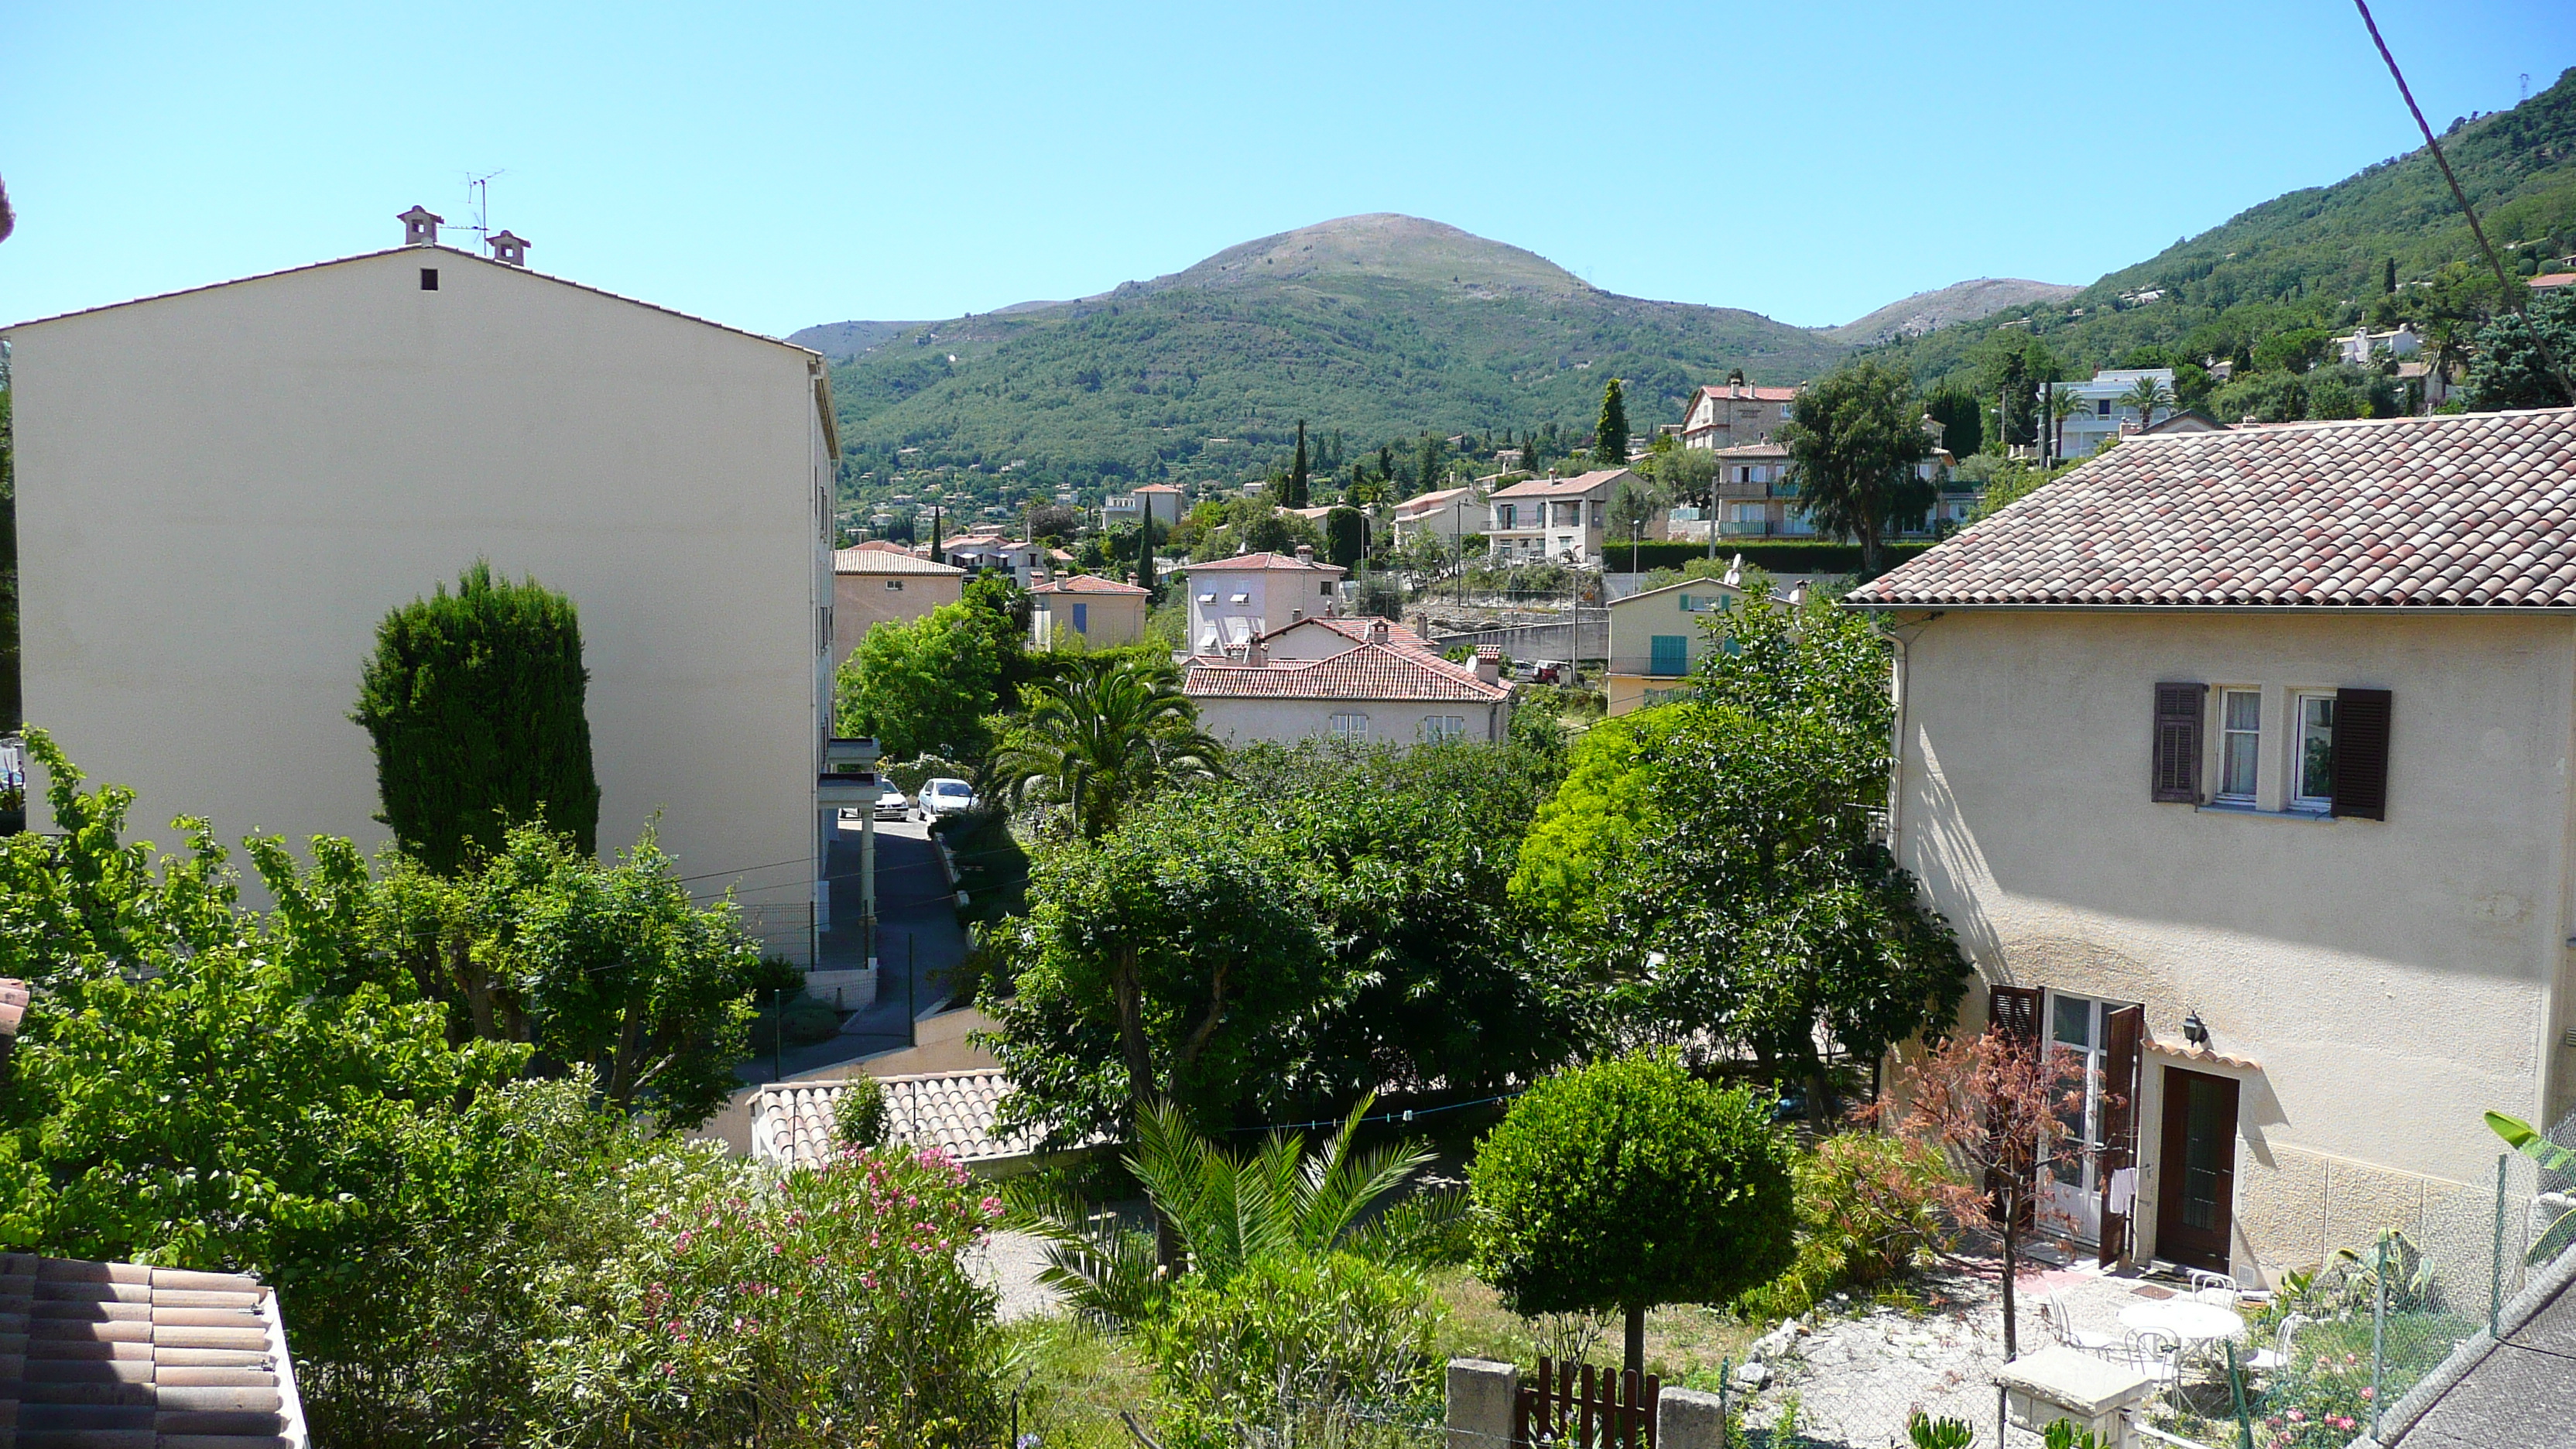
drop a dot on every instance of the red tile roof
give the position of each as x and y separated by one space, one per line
2554 279
1256 562
1559 487
1749 394
1158 488
1430 502
2470 510
953 1112
1368 671
866 560
1357 631
1088 584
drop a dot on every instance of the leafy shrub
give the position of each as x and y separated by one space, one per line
910 775
1868 1210
829 1309
863 1118
1300 1344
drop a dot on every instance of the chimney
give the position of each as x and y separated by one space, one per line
1305 553
420 227
1377 631
509 250
1489 663
1256 652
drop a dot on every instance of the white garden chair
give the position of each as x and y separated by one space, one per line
2214 1288
2277 1357
2158 1356
2062 1324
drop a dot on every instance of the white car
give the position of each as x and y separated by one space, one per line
945 797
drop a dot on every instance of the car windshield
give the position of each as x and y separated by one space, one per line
949 787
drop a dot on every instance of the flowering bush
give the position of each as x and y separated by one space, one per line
830 1308
1297 1348
1869 1207
2320 1403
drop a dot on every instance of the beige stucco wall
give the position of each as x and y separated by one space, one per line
1113 620
221 494
2390 980
860 602
1390 722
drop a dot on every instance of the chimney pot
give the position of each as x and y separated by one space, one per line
420 226
1489 663
1377 631
1305 553
1256 653
510 250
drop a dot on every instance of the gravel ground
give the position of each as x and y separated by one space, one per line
1009 1263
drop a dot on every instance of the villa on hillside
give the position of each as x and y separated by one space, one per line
1733 415
1558 520
1236 600
2238 762
1354 681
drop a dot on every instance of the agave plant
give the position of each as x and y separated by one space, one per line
1227 1210
2526 1139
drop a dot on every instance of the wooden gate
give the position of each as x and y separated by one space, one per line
1586 1409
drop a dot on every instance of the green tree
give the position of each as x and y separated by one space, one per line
610 971
923 686
1165 961
1426 470
1294 494
1633 507
1854 437
1626 1184
1610 434
1962 418
1108 730
2509 371
474 702
1345 536
1145 558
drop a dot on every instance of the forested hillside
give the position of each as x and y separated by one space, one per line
1376 328
2384 246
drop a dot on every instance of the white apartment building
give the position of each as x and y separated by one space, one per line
1557 520
222 491
2102 413
1236 600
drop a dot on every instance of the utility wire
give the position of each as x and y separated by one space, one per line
2513 293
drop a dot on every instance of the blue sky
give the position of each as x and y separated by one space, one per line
777 165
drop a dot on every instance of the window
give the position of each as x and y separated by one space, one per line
1324 589
2312 767
2102 409
1081 617
1207 598
1599 511
894 586
1239 600
1671 654
429 279
1351 728
1505 515
2240 743
1438 728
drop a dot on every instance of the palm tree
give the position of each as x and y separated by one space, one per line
2149 394
2062 405
1106 731
1220 1211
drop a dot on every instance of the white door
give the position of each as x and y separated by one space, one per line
2072 1201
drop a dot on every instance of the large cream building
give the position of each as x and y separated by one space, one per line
2240 763
222 491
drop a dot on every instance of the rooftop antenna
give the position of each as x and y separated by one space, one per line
478 200
2526 85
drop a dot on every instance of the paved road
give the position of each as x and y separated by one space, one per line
918 940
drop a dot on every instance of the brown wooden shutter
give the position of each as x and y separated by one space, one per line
2014 1010
2179 710
2361 753
2123 1030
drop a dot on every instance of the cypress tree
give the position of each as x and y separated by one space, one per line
474 701
2388 278
1386 465
1145 553
1610 435
934 535
1295 494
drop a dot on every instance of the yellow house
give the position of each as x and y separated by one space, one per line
1085 611
1656 640
879 582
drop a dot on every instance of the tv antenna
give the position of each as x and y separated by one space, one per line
478 200
2526 85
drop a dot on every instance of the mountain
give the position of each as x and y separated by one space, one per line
2317 258
1959 302
1376 328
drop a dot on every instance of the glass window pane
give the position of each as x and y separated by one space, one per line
2244 709
2240 742
2316 748
2074 1021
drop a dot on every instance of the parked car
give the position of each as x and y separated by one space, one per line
893 805
945 797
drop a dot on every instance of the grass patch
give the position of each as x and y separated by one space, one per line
1072 1378
1682 1339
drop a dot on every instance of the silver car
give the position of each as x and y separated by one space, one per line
945 796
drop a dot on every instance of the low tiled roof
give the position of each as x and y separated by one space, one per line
1088 584
1364 672
885 561
794 1122
2548 280
1558 487
1357 631
1764 449
1158 488
2471 510
1256 562
1431 502
1751 394
127 1353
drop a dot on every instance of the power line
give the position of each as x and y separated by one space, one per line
2513 293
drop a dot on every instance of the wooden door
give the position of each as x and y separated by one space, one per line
2196 1173
2123 1029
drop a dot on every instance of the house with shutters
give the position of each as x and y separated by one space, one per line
1658 637
1086 611
2240 763
1350 681
1234 601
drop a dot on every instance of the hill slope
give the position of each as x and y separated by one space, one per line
1376 327
1959 302
2313 258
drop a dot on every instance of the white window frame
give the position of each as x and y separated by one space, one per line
1438 729
894 586
2253 788
1350 727
2293 796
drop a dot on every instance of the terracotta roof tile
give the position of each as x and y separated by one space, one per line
2472 510
196 1352
1560 487
796 1122
1255 562
1369 671
865 560
1087 584
1357 631
1742 393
